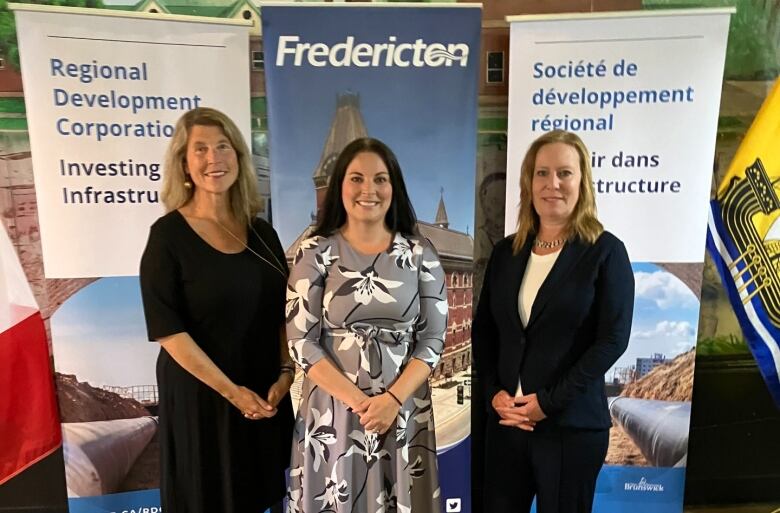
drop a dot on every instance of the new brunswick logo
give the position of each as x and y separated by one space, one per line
643 486
747 204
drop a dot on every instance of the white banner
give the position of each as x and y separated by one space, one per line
642 89
103 92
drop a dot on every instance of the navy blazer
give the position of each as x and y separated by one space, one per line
579 326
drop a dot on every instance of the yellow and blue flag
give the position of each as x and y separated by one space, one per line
744 238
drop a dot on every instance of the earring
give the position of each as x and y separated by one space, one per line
187 182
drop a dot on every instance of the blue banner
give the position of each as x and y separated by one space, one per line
407 76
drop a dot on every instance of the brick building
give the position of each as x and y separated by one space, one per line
455 248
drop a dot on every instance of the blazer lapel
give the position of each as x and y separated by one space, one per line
571 253
514 278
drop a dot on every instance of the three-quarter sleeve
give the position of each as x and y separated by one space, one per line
160 287
431 325
303 311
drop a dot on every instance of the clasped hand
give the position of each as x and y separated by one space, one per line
255 407
520 412
377 413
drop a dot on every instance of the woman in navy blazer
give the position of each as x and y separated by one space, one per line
553 316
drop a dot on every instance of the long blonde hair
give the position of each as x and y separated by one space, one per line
583 223
244 196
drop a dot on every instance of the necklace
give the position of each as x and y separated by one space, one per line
279 269
539 243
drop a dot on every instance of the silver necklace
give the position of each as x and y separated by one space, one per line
279 269
543 244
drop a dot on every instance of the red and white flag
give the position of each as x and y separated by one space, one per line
29 422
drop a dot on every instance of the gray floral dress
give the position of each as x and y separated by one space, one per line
369 314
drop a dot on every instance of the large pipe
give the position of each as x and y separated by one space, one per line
658 428
98 455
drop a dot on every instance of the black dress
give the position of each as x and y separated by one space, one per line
213 459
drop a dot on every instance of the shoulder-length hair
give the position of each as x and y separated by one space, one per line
244 197
400 216
583 223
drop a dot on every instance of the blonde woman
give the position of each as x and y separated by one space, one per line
554 315
212 280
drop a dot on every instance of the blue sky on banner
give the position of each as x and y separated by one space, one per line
427 115
666 314
99 335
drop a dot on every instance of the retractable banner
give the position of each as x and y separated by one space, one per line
103 93
103 90
642 89
407 76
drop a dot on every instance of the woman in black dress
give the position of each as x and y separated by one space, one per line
212 279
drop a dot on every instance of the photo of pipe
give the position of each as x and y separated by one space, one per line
658 428
99 455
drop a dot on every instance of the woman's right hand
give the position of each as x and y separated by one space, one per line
377 413
505 406
251 405
191 357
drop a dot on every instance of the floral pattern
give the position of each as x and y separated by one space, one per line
369 314
335 492
367 286
319 435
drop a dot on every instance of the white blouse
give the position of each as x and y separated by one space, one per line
536 272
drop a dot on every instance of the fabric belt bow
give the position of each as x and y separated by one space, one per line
375 367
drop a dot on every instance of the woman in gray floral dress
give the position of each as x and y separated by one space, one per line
366 318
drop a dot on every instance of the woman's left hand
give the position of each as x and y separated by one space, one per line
528 405
280 388
378 413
